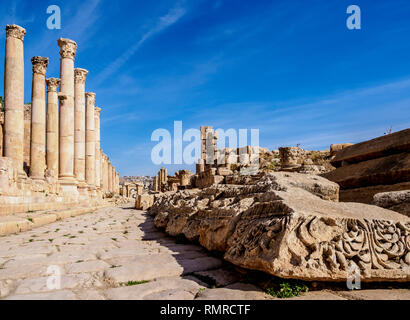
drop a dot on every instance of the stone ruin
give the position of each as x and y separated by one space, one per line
375 172
287 218
50 149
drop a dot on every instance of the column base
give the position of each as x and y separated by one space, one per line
68 187
92 192
99 193
83 190
37 178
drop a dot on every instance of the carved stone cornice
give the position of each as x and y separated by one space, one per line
80 75
90 96
53 84
40 65
68 48
15 31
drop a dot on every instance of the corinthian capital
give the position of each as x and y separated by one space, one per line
80 75
68 48
90 96
15 31
40 65
52 84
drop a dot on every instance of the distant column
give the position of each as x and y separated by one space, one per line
66 123
103 184
109 174
90 142
52 127
38 119
14 96
97 112
113 179
80 76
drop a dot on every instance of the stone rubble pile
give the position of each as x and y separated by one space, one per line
290 225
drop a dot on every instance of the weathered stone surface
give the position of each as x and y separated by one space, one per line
220 277
55 295
144 201
236 291
380 147
397 201
175 287
279 225
381 294
381 171
366 194
335 148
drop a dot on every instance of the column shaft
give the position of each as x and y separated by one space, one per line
90 140
14 96
80 76
97 148
66 118
52 127
38 119
109 174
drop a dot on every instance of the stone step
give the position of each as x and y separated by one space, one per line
26 221
13 208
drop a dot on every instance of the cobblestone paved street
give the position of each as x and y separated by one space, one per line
117 253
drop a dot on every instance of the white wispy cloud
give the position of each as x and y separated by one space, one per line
163 23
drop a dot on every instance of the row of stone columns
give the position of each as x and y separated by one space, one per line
65 139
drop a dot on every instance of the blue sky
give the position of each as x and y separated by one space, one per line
289 68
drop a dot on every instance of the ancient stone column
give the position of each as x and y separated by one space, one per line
80 75
97 149
38 119
103 184
52 127
14 96
66 119
155 184
117 181
90 142
113 188
109 174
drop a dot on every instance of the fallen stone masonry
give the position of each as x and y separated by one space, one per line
398 201
290 225
371 167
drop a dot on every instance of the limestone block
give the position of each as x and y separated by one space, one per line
224 171
335 148
398 201
144 201
386 145
366 194
381 171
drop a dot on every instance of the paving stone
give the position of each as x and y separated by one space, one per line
88 266
90 295
53 295
237 291
377 294
318 295
67 282
154 289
